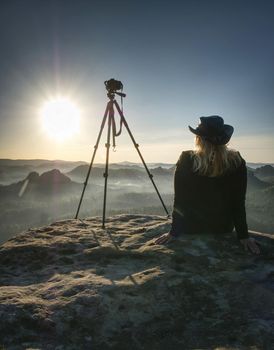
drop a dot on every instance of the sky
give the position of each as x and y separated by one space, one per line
177 60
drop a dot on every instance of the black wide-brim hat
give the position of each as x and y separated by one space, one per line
214 130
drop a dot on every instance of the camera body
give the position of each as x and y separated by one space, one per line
113 85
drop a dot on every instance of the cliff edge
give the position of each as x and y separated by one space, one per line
72 285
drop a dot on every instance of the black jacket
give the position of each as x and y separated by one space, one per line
210 204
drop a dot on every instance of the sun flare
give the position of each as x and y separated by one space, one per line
60 118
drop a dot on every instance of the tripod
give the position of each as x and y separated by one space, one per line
109 115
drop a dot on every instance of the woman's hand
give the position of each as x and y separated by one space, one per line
251 244
163 239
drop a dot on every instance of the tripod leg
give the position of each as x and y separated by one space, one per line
92 159
106 166
143 161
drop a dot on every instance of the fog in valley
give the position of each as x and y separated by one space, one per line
39 192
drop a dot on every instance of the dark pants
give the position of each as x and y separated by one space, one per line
180 225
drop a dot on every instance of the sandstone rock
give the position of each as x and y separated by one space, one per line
72 285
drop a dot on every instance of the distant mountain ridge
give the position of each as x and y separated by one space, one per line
254 183
256 178
266 170
52 182
14 170
258 165
39 198
53 177
137 173
37 162
40 162
265 173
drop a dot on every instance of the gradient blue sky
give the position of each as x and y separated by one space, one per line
178 60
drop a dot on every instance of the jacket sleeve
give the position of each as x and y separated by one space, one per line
180 195
239 185
181 180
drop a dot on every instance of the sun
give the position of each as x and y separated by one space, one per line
60 118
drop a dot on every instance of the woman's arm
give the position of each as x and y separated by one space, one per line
181 179
239 185
177 225
181 193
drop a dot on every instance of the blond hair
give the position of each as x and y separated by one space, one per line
213 160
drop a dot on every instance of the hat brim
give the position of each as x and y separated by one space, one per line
221 139
195 131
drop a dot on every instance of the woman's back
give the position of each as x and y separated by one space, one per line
210 203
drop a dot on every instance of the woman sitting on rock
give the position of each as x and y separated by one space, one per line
210 187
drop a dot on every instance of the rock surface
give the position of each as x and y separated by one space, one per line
73 285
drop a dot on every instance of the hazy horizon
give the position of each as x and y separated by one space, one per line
103 162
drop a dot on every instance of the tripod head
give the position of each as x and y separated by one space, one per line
111 95
121 94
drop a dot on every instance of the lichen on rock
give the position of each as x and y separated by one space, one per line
73 285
